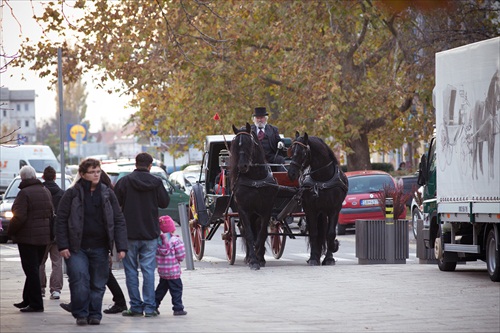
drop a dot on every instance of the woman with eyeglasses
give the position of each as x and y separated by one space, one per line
89 224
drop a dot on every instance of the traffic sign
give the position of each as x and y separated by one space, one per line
155 141
77 131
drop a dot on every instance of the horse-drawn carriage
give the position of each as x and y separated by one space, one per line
243 194
210 204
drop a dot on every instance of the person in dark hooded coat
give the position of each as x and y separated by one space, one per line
140 194
56 274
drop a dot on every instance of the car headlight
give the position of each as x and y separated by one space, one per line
8 214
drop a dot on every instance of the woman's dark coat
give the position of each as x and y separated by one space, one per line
69 221
32 212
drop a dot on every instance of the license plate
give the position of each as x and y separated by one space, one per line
369 202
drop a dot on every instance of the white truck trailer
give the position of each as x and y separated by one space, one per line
461 170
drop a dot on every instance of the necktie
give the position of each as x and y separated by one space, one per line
260 135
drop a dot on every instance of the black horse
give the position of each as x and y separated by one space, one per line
324 188
253 192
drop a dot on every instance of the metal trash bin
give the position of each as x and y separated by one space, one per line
382 241
424 255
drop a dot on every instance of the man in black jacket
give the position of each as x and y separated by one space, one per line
56 275
139 195
269 137
89 225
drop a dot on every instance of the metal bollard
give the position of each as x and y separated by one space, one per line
389 208
186 235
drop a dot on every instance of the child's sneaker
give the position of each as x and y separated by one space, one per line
180 313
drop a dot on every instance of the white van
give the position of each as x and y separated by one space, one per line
13 158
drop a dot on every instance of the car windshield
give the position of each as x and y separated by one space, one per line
40 165
369 184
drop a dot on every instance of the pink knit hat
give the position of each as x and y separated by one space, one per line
167 224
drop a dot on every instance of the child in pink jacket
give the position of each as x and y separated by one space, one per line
169 255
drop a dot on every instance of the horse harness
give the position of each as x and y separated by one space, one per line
308 183
268 181
245 181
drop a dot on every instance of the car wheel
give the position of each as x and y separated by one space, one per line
415 215
341 229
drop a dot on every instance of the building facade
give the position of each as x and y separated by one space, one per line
17 112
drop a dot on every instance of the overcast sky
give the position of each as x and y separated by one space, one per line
101 107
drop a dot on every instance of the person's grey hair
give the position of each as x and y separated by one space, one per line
27 172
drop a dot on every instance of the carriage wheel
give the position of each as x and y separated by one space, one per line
277 241
196 230
230 238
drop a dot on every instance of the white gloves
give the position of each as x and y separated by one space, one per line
280 145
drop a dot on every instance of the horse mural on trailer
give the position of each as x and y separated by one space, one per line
486 126
324 188
253 188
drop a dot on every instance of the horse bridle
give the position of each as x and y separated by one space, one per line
307 159
252 147
307 154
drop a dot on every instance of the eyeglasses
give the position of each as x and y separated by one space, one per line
93 172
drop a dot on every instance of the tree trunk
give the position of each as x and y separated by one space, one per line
359 159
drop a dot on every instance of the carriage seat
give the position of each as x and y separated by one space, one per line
282 179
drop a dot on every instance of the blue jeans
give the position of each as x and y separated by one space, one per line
141 253
175 287
88 271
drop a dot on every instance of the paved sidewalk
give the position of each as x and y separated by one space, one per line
290 297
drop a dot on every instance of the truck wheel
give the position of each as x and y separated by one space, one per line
493 256
415 215
439 252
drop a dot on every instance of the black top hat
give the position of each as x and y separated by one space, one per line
260 112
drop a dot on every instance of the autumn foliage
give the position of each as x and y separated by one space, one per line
355 73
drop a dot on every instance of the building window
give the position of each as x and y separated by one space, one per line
18 123
18 107
26 107
26 123
5 113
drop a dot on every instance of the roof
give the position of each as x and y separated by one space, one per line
219 138
365 172
17 95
